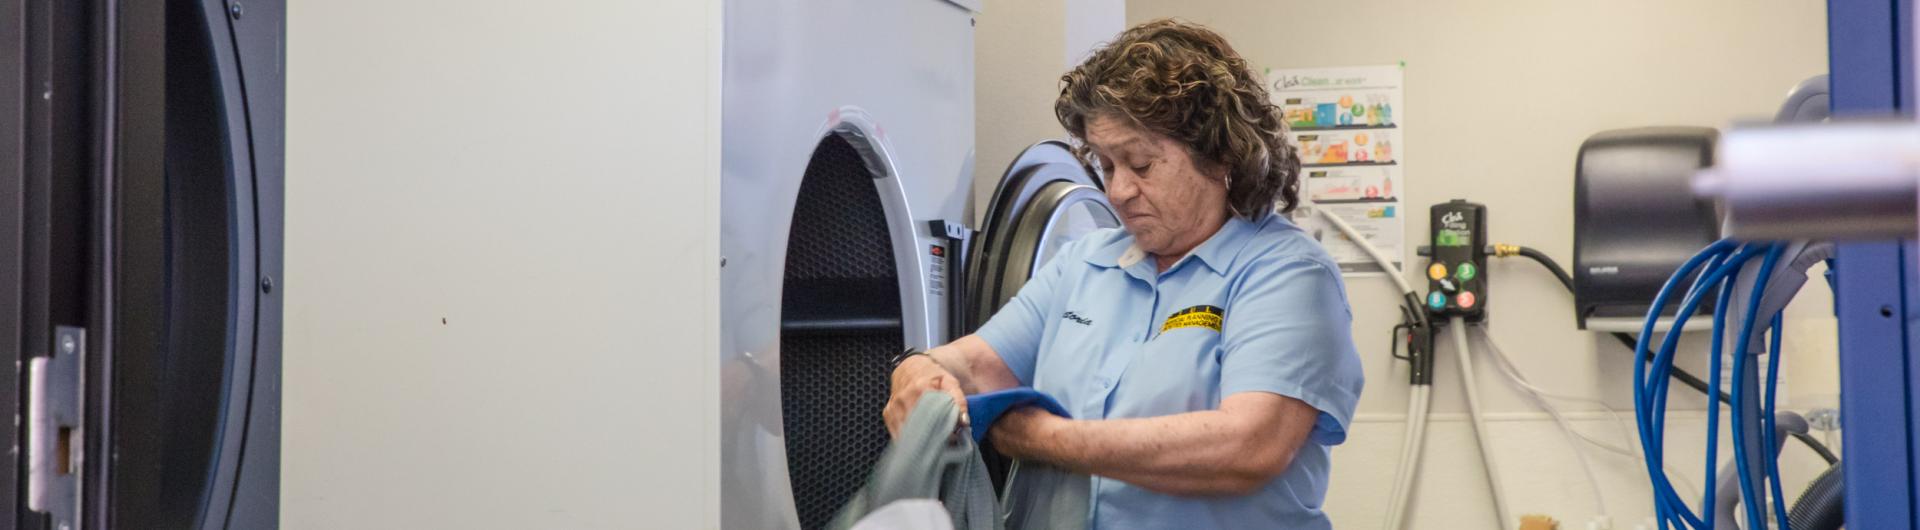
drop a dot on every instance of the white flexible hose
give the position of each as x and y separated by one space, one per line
1508 368
1419 400
1412 444
1580 452
1573 436
1479 419
1386 264
1406 439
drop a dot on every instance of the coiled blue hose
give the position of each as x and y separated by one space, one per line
1722 262
1769 433
1749 495
1664 506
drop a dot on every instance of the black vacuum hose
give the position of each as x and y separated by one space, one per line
1819 507
1544 261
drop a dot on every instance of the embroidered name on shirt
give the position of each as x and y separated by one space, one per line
1200 316
1077 319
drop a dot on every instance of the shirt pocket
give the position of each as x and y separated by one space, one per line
1177 371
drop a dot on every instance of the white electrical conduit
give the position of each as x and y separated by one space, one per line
1419 399
1461 351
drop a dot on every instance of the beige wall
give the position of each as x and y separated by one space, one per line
1499 96
478 332
1021 47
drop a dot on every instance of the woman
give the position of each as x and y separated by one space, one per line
1204 352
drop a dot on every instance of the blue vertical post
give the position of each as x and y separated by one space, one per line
1870 58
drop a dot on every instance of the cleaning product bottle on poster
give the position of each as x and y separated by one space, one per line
1386 114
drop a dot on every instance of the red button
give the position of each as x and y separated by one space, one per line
937 250
1465 299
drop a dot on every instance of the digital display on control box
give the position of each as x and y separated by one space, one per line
1449 237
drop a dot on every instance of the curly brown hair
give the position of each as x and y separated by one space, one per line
1184 81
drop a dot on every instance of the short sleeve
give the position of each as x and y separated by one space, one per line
1288 331
1015 330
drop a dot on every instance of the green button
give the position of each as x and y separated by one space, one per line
1466 272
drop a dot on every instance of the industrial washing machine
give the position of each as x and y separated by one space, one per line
140 255
847 167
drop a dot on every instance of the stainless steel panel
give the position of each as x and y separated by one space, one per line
56 429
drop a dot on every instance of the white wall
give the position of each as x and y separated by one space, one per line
1500 94
501 265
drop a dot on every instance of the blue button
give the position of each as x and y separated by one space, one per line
1436 300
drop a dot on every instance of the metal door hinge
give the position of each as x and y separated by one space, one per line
55 439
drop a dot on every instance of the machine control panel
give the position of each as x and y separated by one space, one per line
1456 285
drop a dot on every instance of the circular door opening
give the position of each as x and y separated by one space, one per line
840 323
1046 201
1071 212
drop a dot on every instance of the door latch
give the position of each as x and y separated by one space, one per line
55 428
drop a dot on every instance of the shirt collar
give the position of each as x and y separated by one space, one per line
1217 252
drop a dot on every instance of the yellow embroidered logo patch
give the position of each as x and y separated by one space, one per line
1200 316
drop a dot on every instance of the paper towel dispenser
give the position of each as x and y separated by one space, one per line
1636 220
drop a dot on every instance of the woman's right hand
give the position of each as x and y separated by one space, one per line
916 376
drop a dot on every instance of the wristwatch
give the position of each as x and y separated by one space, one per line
901 358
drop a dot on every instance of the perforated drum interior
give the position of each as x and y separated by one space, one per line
840 323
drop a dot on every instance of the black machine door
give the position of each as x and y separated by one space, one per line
1046 200
140 246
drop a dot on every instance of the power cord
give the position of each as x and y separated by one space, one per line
1677 373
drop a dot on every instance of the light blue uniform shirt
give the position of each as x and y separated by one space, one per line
1088 331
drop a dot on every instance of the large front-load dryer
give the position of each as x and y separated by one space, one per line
847 169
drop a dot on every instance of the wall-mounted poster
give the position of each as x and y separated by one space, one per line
1347 123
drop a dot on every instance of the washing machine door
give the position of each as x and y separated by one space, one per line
139 297
1046 200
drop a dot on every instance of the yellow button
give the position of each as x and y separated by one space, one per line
1437 270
